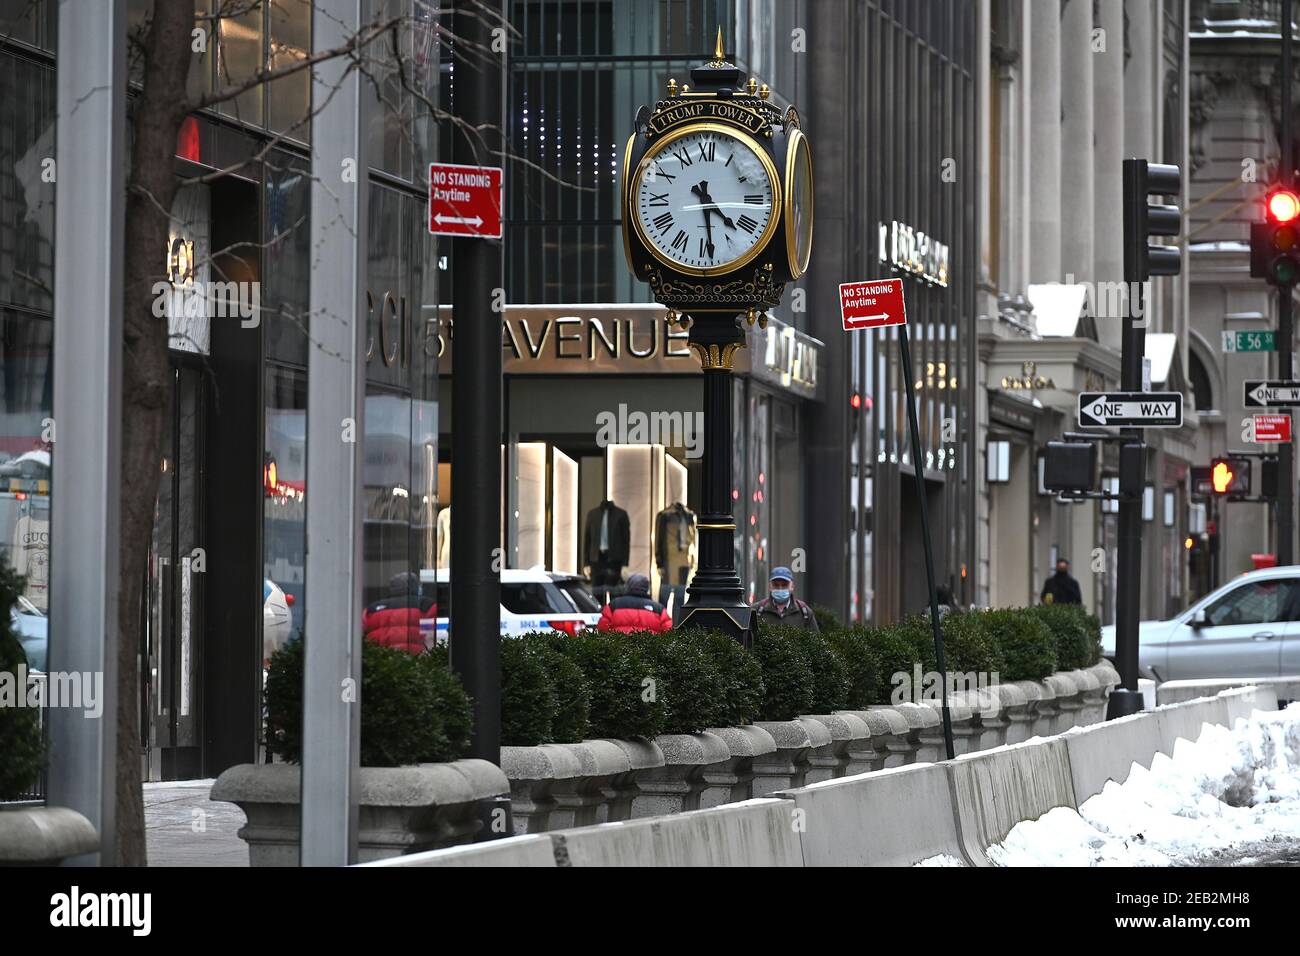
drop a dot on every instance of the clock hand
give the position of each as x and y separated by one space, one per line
702 191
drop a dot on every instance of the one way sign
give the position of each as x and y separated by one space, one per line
1131 409
1265 394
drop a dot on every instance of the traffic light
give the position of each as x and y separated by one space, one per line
1230 477
1143 220
1275 242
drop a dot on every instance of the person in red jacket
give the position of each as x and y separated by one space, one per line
634 610
395 620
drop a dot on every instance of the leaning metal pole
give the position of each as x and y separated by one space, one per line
335 425
89 216
918 465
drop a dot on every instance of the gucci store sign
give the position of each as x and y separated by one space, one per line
601 339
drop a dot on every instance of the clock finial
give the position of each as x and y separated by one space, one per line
718 53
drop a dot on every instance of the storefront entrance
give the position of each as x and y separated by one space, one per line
171 657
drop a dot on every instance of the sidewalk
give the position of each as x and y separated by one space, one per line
184 828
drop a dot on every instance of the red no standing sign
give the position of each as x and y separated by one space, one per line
465 200
872 304
1272 428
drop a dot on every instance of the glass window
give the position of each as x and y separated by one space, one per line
239 57
26 185
284 479
577 592
1260 602
531 597
289 98
19 20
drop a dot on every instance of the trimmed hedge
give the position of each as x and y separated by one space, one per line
969 646
788 684
686 678
1077 634
413 709
1027 645
861 665
22 748
621 676
827 620
740 671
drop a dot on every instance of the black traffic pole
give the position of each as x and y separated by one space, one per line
476 393
918 466
1286 454
1125 699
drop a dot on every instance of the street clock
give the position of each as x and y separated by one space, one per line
717 205
717 195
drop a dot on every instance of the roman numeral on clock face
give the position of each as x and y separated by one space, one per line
679 240
749 225
706 151
753 199
658 199
684 157
664 222
660 172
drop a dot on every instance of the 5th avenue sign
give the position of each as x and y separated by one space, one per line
1131 409
1265 394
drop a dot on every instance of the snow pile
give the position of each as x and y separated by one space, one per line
1231 794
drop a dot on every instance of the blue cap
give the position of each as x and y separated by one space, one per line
783 573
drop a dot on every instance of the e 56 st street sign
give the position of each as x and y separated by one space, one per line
1131 409
1257 341
1265 394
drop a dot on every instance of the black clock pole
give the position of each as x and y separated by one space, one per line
716 597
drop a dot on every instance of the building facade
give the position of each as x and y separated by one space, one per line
1070 90
1235 120
229 525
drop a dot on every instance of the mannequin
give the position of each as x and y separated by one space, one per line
444 537
607 540
675 549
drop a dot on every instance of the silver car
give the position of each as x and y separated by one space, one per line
1250 627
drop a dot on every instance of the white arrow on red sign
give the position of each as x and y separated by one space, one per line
872 304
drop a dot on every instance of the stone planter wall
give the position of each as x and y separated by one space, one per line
402 809
43 836
565 785
677 785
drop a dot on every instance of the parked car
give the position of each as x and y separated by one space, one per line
577 590
530 601
1250 627
32 627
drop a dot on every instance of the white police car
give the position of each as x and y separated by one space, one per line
532 600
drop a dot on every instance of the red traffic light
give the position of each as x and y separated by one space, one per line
1283 206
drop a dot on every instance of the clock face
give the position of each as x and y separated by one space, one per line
704 200
799 204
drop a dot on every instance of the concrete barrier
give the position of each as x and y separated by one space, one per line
894 817
750 833
994 790
1176 691
1107 751
533 849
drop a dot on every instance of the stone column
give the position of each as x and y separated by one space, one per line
1139 82
1045 151
1108 92
1077 175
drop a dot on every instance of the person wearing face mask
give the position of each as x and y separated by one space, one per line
1061 588
781 606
